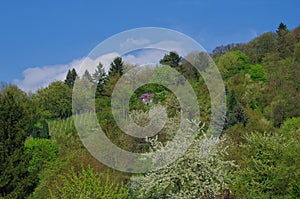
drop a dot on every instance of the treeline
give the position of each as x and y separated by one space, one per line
39 141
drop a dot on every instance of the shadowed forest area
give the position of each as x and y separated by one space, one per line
257 155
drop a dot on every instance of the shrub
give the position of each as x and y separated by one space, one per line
270 167
88 184
41 152
199 172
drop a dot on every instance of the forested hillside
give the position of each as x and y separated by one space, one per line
257 155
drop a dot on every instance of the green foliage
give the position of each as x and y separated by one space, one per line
281 28
232 63
271 166
15 123
257 73
89 184
83 94
99 77
55 101
87 75
41 129
235 112
71 153
71 77
291 128
260 46
291 124
173 60
285 41
99 74
41 152
166 76
263 77
116 67
297 52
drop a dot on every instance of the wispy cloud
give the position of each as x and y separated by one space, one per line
131 42
34 78
169 46
37 77
147 56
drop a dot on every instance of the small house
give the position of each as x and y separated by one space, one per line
146 98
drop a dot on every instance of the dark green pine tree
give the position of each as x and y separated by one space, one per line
285 44
99 74
173 60
16 181
235 112
87 75
99 78
282 29
116 67
71 77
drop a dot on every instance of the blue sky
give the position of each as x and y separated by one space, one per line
46 34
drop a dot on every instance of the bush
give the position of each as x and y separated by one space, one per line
270 167
199 172
88 184
257 73
41 152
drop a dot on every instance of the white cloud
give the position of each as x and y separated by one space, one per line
90 64
154 52
131 42
37 77
145 57
169 46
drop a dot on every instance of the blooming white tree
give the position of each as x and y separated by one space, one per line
199 172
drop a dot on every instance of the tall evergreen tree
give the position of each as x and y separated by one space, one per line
282 28
14 129
116 67
71 77
173 60
87 75
235 112
99 78
285 44
99 74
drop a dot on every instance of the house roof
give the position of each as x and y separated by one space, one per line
145 96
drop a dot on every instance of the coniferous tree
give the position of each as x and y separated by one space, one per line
173 60
99 74
282 28
116 67
71 77
285 45
99 78
87 75
14 129
235 112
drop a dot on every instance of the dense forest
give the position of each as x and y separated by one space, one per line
257 155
